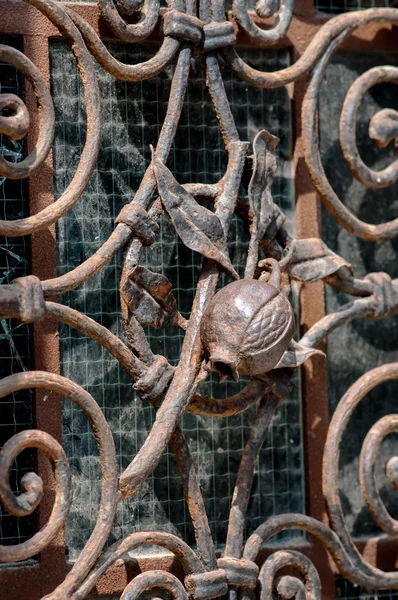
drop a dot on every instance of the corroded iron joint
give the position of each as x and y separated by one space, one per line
384 294
23 299
204 586
183 26
280 383
218 35
155 380
140 222
240 571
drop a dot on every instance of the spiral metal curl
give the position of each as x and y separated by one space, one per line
268 37
367 465
337 539
71 195
154 580
348 123
364 174
338 424
16 126
109 495
32 487
149 10
288 586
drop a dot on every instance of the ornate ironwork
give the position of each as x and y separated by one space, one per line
246 328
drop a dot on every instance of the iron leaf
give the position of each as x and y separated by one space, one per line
199 228
150 299
296 354
310 260
262 207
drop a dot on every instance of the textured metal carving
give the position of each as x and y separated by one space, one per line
246 328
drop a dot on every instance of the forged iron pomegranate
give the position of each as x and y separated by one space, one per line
248 326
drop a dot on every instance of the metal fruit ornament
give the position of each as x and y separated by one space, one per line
247 326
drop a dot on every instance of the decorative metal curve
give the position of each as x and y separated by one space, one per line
309 117
244 329
288 586
268 37
370 449
32 162
32 485
89 155
155 579
111 65
339 421
348 121
131 32
109 498
342 25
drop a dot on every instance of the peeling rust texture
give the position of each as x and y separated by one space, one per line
246 328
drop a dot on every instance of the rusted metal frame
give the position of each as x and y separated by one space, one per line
228 132
132 256
188 483
42 577
381 303
188 371
268 404
194 498
214 82
347 284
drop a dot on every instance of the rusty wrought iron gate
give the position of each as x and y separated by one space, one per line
238 325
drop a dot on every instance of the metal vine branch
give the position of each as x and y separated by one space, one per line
246 328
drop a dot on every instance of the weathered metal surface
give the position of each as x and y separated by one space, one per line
245 328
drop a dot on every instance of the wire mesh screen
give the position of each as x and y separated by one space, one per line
340 6
133 114
16 409
348 591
